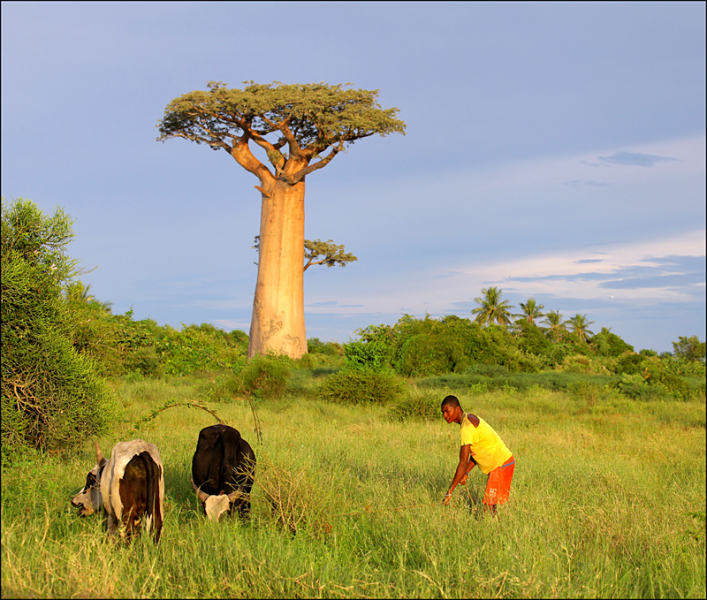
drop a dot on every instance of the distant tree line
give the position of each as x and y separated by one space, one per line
60 344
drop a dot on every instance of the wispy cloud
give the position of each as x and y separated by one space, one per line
229 324
634 159
580 183
664 270
331 304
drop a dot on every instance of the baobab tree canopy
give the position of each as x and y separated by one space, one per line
301 127
308 119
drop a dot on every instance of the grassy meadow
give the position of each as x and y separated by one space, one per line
608 500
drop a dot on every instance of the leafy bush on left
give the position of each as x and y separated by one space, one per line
52 398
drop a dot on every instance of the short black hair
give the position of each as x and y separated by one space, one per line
452 401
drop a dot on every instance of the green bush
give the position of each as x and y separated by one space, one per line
606 343
355 386
52 398
430 354
265 376
319 361
531 339
416 404
316 346
200 348
631 364
366 356
635 387
482 378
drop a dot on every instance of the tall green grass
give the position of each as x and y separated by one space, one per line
603 504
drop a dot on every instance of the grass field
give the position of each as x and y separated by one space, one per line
608 500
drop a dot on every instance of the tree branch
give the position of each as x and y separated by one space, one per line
245 158
302 173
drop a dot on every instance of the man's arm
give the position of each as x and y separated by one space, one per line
462 469
470 466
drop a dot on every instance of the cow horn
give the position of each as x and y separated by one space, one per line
99 455
233 495
203 496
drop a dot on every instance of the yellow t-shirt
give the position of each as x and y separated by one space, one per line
487 449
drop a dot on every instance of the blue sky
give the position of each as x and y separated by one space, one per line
554 150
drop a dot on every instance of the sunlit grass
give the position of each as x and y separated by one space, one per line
602 505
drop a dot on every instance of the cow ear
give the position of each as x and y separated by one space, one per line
100 459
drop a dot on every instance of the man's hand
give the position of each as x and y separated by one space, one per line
447 498
463 481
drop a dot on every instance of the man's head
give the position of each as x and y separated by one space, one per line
451 410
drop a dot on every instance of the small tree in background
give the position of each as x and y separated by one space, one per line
689 348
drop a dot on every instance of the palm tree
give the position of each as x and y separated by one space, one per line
492 309
531 310
557 327
580 326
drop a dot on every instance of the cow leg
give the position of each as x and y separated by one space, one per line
112 525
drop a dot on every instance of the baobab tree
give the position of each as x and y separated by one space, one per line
307 120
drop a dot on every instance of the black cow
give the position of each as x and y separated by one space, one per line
222 471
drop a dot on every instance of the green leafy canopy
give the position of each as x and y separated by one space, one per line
307 118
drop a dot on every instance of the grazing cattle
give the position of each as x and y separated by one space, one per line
129 487
222 471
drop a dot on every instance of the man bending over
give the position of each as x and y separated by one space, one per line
481 446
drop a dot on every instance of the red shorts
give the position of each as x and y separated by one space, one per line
498 486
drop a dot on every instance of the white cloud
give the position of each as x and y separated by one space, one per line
575 273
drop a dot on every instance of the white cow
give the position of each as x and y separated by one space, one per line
129 487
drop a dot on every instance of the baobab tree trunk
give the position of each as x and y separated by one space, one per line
277 324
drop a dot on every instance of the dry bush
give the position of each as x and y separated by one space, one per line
293 498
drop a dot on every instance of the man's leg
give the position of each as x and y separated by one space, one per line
498 487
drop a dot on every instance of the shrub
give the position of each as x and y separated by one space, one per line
366 356
531 339
359 386
606 343
483 378
52 397
316 346
265 376
320 362
200 348
417 404
634 386
295 501
630 364
580 363
431 354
